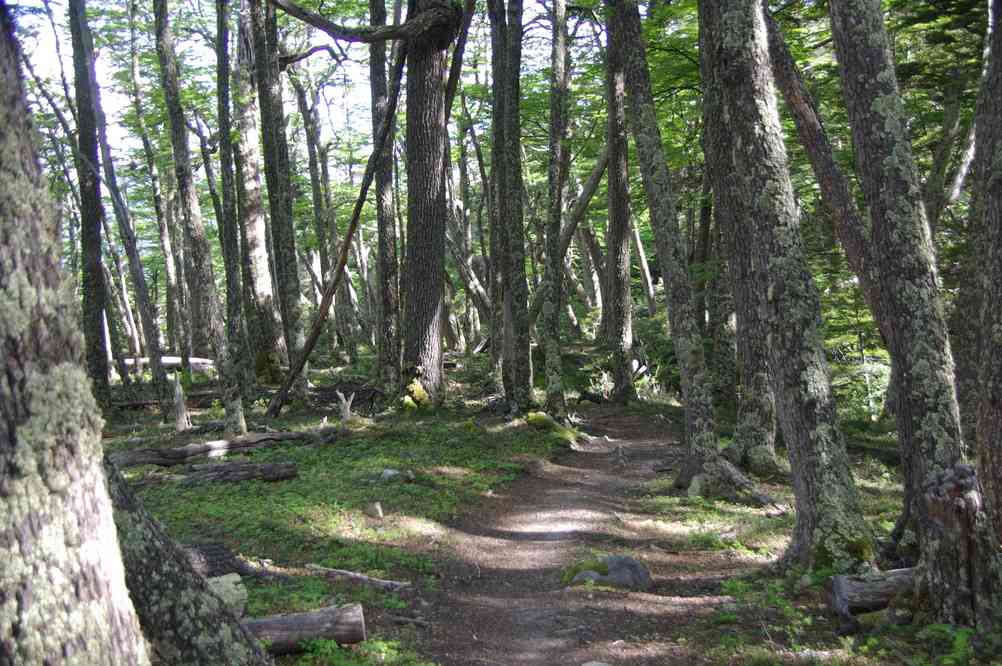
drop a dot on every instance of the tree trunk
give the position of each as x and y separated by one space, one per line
206 319
388 301
264 324
126 231
696 391
277 174
989 440
618 312
95 291
55 514
926 404
829 531
556 177
645 270
233 371
506 59
184 621
423 285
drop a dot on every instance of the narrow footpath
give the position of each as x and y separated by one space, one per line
503 601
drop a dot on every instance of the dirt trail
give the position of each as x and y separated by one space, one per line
504 603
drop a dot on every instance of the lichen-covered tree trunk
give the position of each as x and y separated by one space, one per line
696 391
556 177
388 301
589 273
926 404
264 323
264 26
423 279
619 301
95 291
206 318
829 530
184 621
63 598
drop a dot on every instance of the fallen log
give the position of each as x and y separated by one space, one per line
220 447
341 574
239 471
215 559
888 456
847 596
284 634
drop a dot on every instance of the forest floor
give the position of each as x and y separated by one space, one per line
487 518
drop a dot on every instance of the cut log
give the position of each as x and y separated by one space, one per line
341 574
239 471
847 596
285 634
220 447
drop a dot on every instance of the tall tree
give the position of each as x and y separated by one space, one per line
264 324
236 344
388 301
264 28
423 285
556 179
506 175
62 587
750 165
618 311
95 291
926 407
206 321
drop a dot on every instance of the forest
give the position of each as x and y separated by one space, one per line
479 332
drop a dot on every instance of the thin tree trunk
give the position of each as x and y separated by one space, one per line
234 372
206 319
645 270
387 269
52 489
95 291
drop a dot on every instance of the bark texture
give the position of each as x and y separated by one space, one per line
264 28
388 300
556 177
618 311
62 585
264 323
829 530
926 411
423 284
184 621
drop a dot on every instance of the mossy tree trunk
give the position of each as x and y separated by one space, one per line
926 411
62 586
184 621
696 390
829 530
